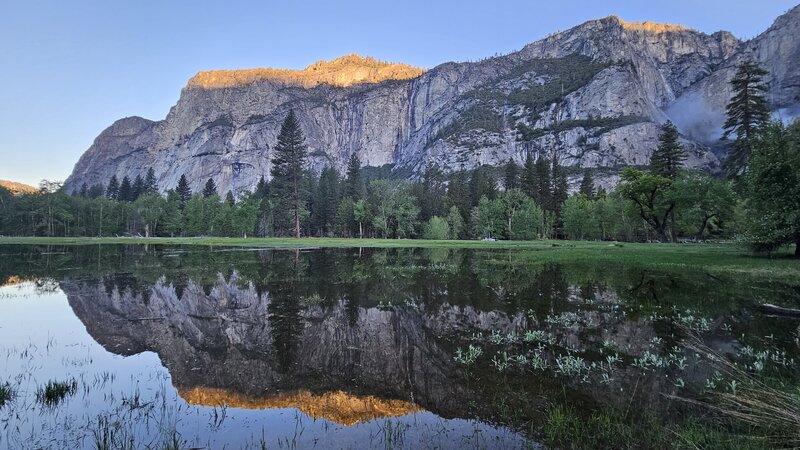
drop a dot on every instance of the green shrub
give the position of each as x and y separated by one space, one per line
436 229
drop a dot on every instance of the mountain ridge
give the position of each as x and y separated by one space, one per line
343 71
593 96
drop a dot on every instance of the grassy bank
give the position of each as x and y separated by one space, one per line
713 258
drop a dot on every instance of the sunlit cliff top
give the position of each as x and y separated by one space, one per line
18 188
342 72
650 27
339 407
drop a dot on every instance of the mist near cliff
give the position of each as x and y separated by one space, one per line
696 119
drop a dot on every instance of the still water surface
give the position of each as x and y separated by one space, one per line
354 348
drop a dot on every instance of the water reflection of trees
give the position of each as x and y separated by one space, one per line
507 280
255 321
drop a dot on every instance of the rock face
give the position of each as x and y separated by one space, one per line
593 96
17 188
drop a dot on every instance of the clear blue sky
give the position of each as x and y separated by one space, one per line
68 69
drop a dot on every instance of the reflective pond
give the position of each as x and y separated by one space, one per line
190 347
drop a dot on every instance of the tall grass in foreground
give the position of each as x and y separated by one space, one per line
773 414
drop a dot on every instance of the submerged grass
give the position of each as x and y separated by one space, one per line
54 392
565 429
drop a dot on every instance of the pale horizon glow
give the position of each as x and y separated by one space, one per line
70 69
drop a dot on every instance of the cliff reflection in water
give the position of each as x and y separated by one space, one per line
352 335
338 407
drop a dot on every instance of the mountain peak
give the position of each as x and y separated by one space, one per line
344 71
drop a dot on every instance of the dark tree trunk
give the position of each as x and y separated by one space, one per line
297 223
797 247
703 226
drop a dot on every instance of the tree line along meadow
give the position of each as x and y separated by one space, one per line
756 199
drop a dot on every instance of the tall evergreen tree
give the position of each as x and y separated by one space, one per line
263 223
184 191
481 184
458 193
262 189
84 192
668 158
125 190
210 189
138 187
112 191
529 183
560 191
747 113
326 201
544 190
230 199
587 184
150 182
96 191
666 162
433 192
354 181
288 170
511 176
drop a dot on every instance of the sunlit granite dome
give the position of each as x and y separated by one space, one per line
341 72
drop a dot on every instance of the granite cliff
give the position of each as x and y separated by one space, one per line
593 96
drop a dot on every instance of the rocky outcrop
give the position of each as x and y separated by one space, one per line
593 96
17 188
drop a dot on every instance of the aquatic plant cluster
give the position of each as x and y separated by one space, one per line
550 347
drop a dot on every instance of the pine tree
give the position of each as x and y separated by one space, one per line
150 183
262 189
668 158
230 199
560 190
481 184
137 188
288 170
529 182
125 190
747 114
433 192
511 178
354 181
96 191
210 189
587 184
84 192
325 201
112 191
458 193
183 191
544 191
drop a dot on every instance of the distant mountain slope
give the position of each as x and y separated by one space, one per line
593 96
18 188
